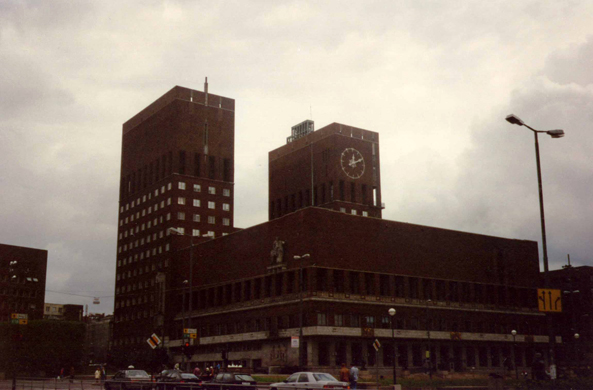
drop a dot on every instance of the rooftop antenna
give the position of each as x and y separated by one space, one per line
567 266
206 90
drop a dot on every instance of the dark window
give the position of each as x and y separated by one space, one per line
197 164
364 194
341 189
170 163
413 288
354 283
399 287
247 290
338 281
321 279
212 167
272 210
352 192
323 193
182 162
384 285
369 281
226 170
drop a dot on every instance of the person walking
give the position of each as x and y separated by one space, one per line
97 375
353 377
344 374
71 374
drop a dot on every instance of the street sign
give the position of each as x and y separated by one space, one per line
377 345
549 300
294 341
154 341
190 330
19 316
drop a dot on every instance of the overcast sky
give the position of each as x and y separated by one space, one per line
435 79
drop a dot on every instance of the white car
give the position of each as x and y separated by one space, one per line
310 380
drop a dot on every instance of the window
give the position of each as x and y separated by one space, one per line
342 209
196 202
211 205
196 217
195 232
168 201
211 219
321 319
197 188
354 212
226 192
181 230
212 190
226 207
226 221
180 200
339 319
182 185
365 213
211 234
181 215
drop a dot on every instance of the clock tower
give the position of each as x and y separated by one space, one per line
336 167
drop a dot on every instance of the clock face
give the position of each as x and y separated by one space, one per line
352 163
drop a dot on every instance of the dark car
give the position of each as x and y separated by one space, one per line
230 381
129 379
177 380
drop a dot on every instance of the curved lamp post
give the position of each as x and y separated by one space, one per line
515 120
392 312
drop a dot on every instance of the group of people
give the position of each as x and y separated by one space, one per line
208 374
349 375
100 374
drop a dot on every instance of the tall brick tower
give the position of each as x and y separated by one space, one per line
335 167
177 171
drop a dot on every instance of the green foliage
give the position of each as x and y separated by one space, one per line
46 346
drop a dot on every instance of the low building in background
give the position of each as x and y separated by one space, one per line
22 281
63 312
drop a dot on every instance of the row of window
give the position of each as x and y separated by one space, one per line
180 200
321 196
163 166
365 284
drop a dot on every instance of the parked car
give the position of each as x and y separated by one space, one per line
129 379
177 380
230 381
310 380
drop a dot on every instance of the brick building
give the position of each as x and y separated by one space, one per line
335 167
457 295
177 171
22 281
576 284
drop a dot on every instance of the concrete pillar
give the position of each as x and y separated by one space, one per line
312 353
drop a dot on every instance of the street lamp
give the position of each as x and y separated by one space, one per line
392 312
300 258
513 119
514 334
576 349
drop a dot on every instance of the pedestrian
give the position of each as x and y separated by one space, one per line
71 374
353 376
344 374
61 376
177 366
197 371
103 374
97 375
538 368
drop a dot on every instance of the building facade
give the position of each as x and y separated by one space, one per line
177 171
576 284
457 296
22 281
